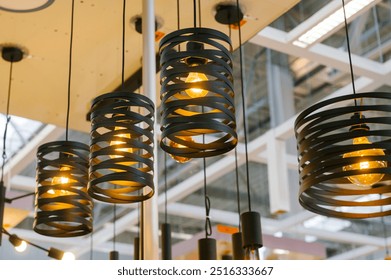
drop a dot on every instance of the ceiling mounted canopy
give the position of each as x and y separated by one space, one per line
198 115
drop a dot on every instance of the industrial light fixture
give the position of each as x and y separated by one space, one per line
62 205
331 22
197 93
344 153
21 244
250 221
207 248
229 14
121 147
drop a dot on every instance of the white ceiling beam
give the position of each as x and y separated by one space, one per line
323 14
277 40
356 253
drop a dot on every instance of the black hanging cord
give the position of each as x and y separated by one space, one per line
237 187
349 53
208 226
199 13
92 246
114 219
165 188
195 13
244 106
69 72
236 152
123 45
8 119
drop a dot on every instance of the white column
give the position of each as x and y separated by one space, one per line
150 213
277 171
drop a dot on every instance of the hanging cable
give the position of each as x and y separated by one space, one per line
237 186
194 13
208 226
7 121
92 246
349 53
199 13
244 107
69 72
165 188
123 45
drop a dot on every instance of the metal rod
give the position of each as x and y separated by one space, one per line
151 229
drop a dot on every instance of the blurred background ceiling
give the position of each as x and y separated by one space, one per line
282 77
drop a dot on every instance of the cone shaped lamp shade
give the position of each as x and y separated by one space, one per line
121 148
197 94
344 156
62 205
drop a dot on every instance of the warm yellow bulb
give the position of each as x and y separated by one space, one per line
193 78
119 142
177 145
21 247
365 180
61 180
68 256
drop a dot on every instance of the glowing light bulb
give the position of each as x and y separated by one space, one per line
21 247
195 92
68 256
177 145
251 253
365 180
60 180
120 142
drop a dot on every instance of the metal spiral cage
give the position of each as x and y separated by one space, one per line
205 125
121 148
63 207
332 162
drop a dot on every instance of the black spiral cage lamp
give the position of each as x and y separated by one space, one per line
121 148
197 94
344 156
63 207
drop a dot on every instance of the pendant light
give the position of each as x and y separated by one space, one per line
344 153
197 93
63 207
121 146
207 246
166 227
227 14
10 54
250 220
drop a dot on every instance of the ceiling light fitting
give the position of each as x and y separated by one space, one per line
121 145
62 205
344 153
197 94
